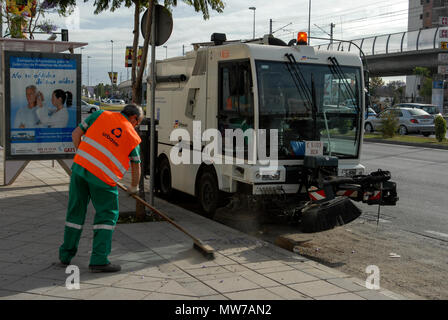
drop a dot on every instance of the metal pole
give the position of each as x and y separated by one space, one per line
152 107
332 25
253 37
112 66
88 71
1 20
270 26
309 21
253 34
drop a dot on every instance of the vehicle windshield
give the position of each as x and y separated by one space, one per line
418 112
430 109
285 107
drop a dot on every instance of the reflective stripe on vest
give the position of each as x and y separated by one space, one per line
105 148
98 164
106 152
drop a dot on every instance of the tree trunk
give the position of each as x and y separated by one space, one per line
137 77
140 210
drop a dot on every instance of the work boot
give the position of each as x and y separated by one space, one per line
105 268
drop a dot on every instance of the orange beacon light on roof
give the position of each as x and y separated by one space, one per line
302 38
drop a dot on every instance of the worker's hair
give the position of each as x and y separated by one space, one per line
31 87
132 110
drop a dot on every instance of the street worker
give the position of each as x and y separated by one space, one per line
106 142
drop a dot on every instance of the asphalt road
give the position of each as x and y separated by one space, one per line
422 182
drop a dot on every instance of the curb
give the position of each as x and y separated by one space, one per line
410 144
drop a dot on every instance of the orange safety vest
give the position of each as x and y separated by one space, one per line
106 146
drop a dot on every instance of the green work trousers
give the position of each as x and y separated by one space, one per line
105 201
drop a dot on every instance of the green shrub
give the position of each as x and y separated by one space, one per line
440 127
344 125
389 124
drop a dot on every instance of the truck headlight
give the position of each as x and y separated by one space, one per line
268 175
351 172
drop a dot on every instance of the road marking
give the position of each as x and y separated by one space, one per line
437 233
415 160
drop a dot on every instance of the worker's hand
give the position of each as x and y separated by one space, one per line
132 190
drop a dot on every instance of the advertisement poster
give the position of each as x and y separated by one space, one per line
129 55
115 75
42 104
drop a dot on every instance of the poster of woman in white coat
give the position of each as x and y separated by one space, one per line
55 116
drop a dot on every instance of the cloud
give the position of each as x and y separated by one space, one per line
353 20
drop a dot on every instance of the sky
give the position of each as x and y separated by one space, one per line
353 20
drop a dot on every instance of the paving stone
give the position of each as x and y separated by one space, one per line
167 296
103 278
23 269
222 260
32 285
288 293
264 264
85 291
163 271
214 297
334 272
174 287
318 273
347 284
218 276
111 293
141 283
233 284
275 269
373 295
236 268
256 294
207 271
316 288
7 279
341 296
247 257
259 279
290 277
199 288
392 295
10 295
7 244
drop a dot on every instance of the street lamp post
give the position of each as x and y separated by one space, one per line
309 21
112 65
253 34
166 51
88 71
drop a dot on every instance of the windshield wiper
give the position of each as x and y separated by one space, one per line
336 69
299 79
303 88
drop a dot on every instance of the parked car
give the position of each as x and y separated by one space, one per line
411 120
430 108
371 112
87 107
116 101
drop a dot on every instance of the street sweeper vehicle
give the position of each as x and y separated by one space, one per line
267 126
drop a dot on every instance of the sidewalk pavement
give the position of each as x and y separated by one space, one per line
158 261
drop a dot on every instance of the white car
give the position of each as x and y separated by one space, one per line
116 101
88 108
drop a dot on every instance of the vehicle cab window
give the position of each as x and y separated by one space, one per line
236 102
